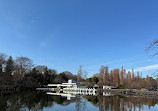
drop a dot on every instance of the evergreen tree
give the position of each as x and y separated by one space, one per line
9 66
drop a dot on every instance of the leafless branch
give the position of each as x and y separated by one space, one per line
152 45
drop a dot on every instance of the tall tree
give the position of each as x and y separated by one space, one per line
24 63
138 76
23 66
129 75
122 76
9 66
106 76
85 75
52 74
46 75
101 76
79 74
111 78
133 78
116 77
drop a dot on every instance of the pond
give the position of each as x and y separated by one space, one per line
42 101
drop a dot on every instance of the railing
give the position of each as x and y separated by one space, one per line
80 89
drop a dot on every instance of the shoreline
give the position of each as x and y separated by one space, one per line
132 92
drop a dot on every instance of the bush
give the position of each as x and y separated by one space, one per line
121 87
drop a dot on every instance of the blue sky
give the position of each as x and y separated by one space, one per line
63 34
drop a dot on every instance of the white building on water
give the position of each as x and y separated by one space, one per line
70 84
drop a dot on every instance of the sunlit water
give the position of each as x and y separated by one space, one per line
40 101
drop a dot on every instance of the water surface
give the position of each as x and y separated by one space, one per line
40 101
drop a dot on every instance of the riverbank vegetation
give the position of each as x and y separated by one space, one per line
21 72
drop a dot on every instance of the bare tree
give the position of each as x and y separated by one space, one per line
85 75
116 77
111 78
23 66
40 68
79 74
152 46
24 63
106 76
101 76
138 75
122 76
133 76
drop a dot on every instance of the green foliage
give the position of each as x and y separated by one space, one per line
95 79
121 87
60 78
63 76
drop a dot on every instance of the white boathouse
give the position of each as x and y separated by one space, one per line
71 86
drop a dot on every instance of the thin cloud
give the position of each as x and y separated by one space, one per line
146 68
116 61
106 63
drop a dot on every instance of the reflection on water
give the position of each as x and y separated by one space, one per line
40 101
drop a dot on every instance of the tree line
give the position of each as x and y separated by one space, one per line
22 72
120 78
125 79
